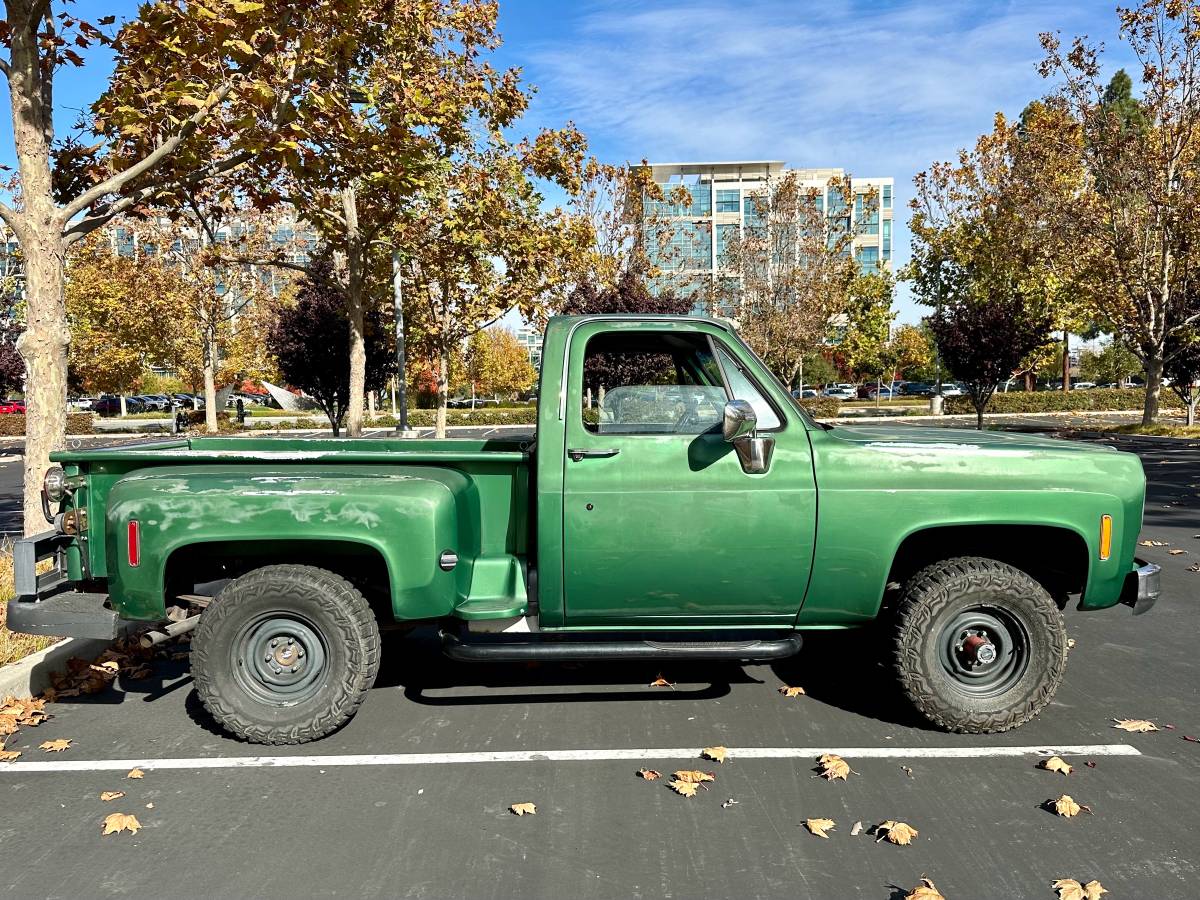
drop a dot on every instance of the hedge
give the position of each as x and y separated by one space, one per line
1099 399
822 407
13 424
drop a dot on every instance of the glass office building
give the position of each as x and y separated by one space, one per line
719 206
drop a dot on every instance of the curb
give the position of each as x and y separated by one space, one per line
31 675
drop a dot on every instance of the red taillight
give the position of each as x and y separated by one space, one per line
134 543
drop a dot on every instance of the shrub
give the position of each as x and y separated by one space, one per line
13 424
822 407
1100 399
195 421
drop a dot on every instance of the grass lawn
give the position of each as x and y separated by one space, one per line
1181 431
14 646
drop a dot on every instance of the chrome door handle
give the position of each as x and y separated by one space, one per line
577 455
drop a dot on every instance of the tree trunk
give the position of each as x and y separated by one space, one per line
1066 362
1030 381
43 346
1191 413
210 374
355 302
1154 367
979 407
443 383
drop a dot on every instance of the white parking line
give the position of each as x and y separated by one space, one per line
442 759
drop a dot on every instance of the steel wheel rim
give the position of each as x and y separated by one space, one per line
280 658
983 651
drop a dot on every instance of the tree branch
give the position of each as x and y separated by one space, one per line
9 215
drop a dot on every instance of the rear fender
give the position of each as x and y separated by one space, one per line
408 516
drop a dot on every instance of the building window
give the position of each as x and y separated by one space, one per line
887 196
887 238
728 201
868 259
725 234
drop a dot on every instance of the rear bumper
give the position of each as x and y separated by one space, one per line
1142 587
45 603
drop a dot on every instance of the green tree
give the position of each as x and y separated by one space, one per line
1112 363
498 364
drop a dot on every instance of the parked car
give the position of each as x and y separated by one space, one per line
81 404
983 535
108 405
916 389
882 392
805 394
12 406
1084 385
952 389
840 392
188 401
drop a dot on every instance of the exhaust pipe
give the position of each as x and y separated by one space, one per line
160 635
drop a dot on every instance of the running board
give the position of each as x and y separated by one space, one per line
558 648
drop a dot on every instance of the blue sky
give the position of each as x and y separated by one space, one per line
879 88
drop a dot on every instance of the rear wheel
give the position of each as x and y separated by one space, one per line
979 645
285 654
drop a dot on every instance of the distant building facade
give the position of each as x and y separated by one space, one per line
722 203
530 339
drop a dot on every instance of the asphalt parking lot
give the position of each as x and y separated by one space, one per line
391 806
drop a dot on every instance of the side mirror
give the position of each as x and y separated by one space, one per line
738 421
737 427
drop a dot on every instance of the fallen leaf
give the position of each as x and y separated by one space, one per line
728 803
686 788
907 771
521 809
819 826
149 806
1155 543
118 822
56 746
649 774
1136 725
1186 737
136 773
1090 764
1070 643
789 691
856 830
111 795
1177 552
1066 806
896 832
1070 889
1194 567
695 776
1169 727
833 767
717 754
662 682
926 890
1055 764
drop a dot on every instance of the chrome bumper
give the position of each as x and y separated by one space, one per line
1142 587
45 603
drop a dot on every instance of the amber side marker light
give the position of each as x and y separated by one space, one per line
1105 537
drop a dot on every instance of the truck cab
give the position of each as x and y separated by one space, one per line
675 502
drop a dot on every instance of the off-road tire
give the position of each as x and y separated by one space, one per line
932 599
326 604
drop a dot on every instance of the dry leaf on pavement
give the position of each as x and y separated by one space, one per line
686 788
1056 764
111 795
856 830
521 809
717 754
1155 543
136 773
118 822
1070 889
662 682
58 745
1177 552
896 832
649 774
1139 726
1066 806
8 755
695 776
789 691
926 890
833 766
819 826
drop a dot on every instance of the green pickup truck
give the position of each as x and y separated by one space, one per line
676 504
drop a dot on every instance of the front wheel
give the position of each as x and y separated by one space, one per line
979 645
285 654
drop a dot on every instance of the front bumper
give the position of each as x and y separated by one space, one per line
1142 586
45 603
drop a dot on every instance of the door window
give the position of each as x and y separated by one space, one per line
651 383
742 388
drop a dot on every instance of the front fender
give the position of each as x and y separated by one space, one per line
408 515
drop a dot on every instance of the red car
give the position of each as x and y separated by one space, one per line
12 406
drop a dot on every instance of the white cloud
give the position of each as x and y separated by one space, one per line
878 90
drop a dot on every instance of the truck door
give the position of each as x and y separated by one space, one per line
661 523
